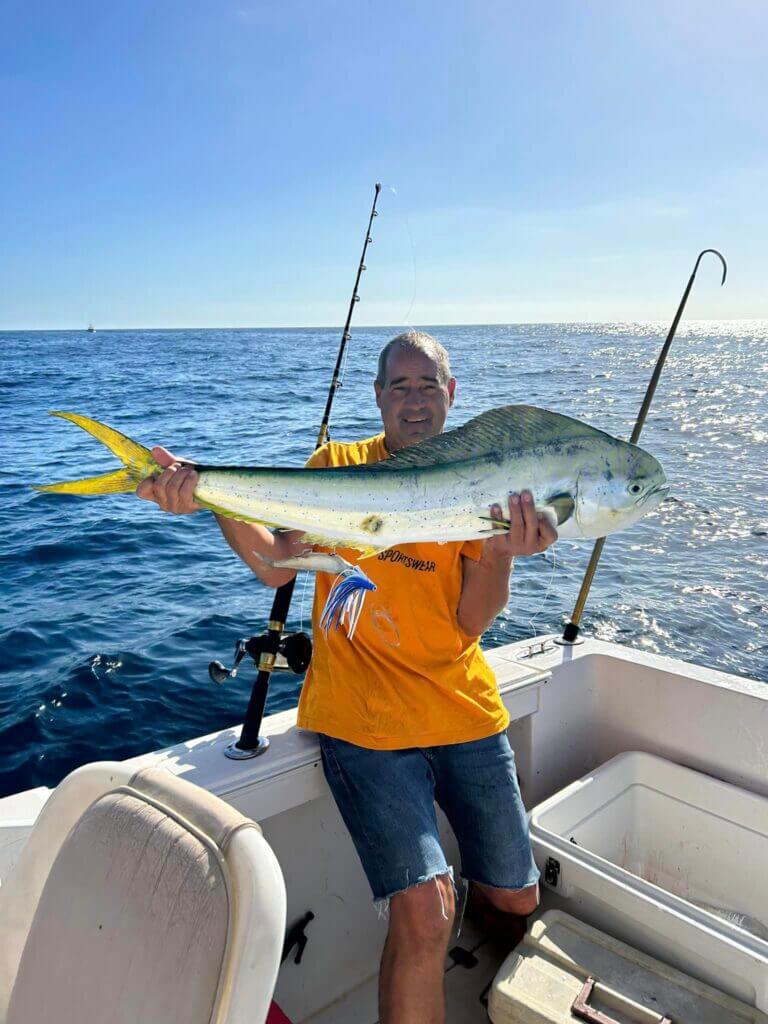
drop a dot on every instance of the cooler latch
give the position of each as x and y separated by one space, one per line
552 871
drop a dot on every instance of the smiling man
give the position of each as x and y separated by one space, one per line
409 713
412 394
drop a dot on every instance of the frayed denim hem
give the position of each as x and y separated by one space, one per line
502 888
382 905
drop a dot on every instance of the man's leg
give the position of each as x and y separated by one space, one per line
413 962
386 798
476 785
502 913
520 902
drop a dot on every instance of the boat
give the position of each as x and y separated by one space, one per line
91 329
646 779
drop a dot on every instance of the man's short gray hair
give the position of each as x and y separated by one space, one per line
417 341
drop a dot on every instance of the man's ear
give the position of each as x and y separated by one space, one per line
378 389
451 390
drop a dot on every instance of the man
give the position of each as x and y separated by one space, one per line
409 712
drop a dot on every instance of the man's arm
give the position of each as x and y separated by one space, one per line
250 540
485 590
173 491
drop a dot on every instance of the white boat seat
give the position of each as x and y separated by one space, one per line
140 898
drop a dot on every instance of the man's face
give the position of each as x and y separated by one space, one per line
413 401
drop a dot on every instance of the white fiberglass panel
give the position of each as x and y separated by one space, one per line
693 836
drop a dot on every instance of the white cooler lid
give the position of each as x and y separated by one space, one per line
539 982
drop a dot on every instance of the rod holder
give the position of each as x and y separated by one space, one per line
570 637
235 753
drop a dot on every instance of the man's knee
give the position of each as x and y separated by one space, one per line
421 918
521 902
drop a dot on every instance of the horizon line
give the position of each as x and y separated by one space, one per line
374 327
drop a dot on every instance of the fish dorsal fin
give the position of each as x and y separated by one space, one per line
506 429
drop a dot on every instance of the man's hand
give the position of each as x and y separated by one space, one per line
485 588
529 532
173 489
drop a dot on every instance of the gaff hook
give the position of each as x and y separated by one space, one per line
571 631
670 337
719 256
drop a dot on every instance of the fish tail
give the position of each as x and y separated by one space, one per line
136 459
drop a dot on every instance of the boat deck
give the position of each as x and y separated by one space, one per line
471 965
571 709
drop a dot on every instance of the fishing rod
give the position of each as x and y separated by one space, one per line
276 649
571 631
323 434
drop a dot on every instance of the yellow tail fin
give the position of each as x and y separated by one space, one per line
136 459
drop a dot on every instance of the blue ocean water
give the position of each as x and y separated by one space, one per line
112 610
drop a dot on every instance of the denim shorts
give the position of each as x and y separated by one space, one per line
387 800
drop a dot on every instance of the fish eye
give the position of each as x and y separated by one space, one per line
635 488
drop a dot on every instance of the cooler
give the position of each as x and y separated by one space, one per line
668 859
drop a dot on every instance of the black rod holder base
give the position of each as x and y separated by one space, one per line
235 753
570 637
250 734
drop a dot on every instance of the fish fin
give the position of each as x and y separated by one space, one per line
508 428
119 482
363 550
366 552
497 525
559 508
136 459
562 505
323 542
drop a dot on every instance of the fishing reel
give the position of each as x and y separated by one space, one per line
294 652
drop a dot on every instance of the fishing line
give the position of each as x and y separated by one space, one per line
537 613
406 322
303 596
343 368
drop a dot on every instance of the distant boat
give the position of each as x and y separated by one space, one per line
91 329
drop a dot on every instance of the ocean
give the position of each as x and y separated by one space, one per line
112 610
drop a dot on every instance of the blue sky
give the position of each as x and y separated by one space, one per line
212 164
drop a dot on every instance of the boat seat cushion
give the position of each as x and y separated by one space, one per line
132 922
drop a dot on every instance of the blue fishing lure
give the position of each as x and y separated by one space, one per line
345 601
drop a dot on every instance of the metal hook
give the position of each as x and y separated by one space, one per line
719 256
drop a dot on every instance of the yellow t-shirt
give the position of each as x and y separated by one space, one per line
410 677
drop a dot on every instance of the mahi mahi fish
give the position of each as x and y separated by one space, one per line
587 482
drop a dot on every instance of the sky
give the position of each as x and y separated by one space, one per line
212 164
